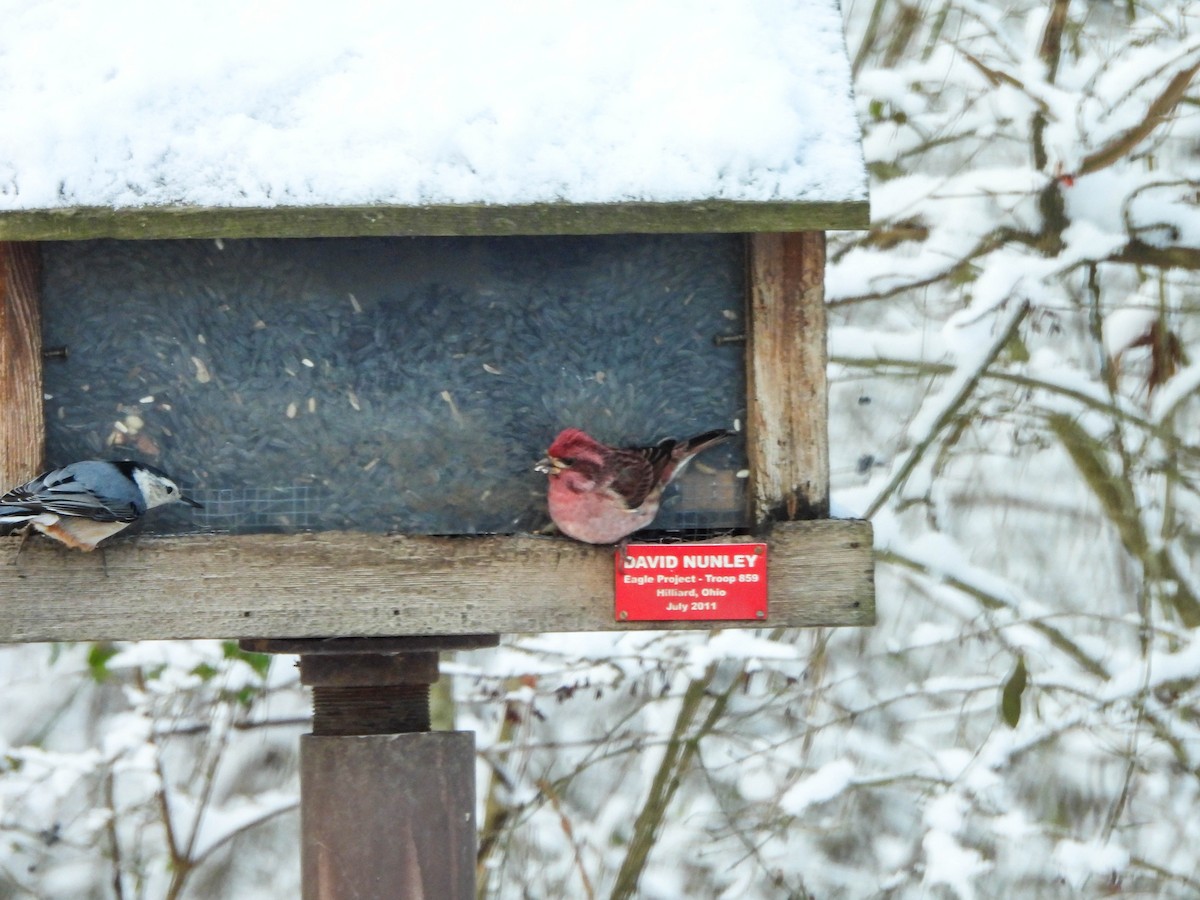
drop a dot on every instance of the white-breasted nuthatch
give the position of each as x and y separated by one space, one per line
86 502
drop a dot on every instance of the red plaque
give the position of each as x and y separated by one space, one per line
666 582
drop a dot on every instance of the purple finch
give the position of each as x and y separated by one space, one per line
600 494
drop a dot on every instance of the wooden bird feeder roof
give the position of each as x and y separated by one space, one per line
448 119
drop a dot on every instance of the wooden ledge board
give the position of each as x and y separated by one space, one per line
717 216
338 584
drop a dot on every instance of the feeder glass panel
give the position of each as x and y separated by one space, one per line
393 384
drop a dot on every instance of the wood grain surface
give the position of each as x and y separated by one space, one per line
346 585
22 421
714 216
787 423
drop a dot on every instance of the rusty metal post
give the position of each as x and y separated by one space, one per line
387 807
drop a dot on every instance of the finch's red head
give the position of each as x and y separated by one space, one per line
572 443
573 448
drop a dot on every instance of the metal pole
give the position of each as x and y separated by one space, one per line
387 807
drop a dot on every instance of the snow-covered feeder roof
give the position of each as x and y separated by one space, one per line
227 118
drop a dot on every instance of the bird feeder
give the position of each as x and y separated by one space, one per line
357 384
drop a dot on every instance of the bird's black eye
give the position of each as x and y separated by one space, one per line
170 489
567 460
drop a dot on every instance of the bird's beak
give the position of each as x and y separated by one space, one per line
549 465
190 502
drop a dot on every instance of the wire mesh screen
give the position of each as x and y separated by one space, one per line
404 384
256 509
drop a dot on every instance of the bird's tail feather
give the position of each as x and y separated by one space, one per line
684 451
12 518
694 445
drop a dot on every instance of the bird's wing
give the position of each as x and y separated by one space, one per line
59 491
637 470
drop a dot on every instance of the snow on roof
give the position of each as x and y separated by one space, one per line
228 103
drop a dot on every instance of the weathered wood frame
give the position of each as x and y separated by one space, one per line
23 428
348 584
728 216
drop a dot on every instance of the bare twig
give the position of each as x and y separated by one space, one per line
949 408
1157 113
675 763
551 794
114 841
1056 636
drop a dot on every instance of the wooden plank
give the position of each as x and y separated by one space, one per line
350 585
23 425
388 809
787 435
541 218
